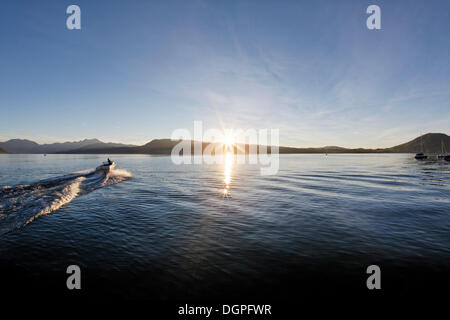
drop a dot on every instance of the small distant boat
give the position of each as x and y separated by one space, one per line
106 166
420 156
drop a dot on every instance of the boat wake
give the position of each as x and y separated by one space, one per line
20 205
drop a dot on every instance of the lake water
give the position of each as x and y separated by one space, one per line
161 231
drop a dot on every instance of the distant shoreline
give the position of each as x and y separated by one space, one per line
430 143
166 155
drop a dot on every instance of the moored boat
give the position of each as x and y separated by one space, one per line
420 156
443 154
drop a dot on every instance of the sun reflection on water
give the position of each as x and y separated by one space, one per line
228 167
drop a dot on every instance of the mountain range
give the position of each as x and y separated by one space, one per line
428 143
28 146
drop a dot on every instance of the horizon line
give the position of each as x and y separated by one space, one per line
148 141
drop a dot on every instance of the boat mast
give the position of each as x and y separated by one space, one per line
421 144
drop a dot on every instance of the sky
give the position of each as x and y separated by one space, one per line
138 70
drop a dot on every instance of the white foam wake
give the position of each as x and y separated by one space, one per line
21 205
67 194
116 176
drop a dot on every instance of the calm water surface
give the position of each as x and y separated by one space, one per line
157 230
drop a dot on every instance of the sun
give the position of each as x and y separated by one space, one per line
228 139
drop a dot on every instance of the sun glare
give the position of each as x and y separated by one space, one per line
228 139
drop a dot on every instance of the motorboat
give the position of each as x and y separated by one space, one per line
420 156
106 166
447 158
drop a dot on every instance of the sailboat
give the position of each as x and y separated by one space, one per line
421 155
443 154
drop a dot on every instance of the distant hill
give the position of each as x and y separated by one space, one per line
428 143
284 150
2 151
66 146
27 146
102 147
20 146
156 146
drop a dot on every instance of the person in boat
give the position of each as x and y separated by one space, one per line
109 162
